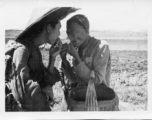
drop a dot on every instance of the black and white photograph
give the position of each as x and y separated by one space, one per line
76 57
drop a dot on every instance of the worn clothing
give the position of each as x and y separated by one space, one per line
30 78
96 56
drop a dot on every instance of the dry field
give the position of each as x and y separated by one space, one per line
129 68
128 79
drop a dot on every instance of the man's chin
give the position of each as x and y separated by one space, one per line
74 45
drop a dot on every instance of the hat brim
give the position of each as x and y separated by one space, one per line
57 13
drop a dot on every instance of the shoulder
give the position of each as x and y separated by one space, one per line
20 47
101 44
102 49
20 51
104 46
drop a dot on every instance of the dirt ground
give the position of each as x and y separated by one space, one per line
128 79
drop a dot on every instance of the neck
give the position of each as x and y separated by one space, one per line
85 43
40 39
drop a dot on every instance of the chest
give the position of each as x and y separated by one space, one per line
89 62
35 60
87 57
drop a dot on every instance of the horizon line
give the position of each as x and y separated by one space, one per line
93 30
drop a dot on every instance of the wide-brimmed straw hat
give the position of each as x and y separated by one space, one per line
41 16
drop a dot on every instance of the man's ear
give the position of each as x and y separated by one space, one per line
49 28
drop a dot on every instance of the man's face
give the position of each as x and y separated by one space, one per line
54 33
76 34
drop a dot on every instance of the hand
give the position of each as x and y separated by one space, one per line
64 47
55 49
64 51
72 50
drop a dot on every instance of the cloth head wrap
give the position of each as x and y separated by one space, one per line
81 20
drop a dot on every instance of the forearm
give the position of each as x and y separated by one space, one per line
78 60
51 65
84 73
68 70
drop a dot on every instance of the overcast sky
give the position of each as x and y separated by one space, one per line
102 14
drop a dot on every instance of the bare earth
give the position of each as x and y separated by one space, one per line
129 68
128 79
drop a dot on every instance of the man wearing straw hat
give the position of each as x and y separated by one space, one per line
30 74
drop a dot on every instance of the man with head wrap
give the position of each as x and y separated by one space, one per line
91 55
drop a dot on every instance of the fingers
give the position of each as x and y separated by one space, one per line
65 46
64 49
71 50
70 47
63 55
56 49
59 43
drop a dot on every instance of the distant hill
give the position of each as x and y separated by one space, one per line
117 40
106 33
12 33
118 33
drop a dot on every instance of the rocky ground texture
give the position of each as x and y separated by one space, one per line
128 79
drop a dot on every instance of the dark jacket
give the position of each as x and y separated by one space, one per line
31 76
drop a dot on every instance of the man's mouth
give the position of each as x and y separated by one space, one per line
74 44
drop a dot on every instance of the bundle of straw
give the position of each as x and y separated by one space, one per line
91 97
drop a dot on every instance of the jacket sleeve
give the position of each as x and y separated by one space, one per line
27 88
68 70
99 62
